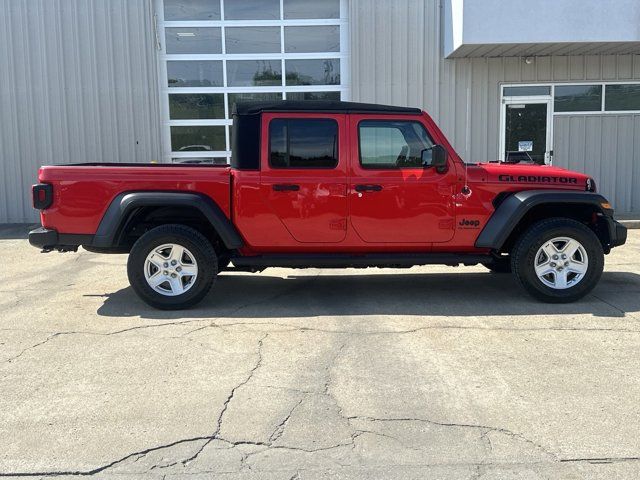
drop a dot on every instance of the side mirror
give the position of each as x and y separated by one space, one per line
435 156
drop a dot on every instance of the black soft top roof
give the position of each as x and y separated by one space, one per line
254 108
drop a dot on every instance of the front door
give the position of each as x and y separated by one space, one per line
526 136
303 177
395 196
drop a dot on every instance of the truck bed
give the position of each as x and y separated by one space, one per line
82 192
117 164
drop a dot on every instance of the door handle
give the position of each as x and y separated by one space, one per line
368 188
282 187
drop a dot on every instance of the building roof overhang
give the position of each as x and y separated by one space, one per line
495 28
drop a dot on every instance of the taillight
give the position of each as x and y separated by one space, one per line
42 196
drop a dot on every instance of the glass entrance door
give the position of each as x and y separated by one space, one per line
526 132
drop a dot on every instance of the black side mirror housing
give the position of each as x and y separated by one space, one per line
436 156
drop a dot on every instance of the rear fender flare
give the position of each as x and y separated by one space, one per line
513 209
124 204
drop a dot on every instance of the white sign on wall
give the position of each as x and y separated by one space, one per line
525 146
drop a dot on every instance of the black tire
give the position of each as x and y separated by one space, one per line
523 259
223 262
196 243
499 265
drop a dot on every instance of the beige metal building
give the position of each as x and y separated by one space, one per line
557 81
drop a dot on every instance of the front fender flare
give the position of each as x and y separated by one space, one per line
124 204
509 213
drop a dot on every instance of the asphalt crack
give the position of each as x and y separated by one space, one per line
275 296
483 428
358 432
290 328
599 460
225 406
86 473
139 454
324 389
279 430
46 340
257 365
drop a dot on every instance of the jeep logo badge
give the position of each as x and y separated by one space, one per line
464 223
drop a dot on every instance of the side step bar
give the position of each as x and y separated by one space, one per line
346 260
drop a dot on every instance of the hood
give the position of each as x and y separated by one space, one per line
545 175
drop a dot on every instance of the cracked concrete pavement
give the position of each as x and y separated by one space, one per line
430 372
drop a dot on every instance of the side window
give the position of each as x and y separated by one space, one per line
303 143
394 144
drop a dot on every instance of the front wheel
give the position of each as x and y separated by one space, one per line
558 260
172 267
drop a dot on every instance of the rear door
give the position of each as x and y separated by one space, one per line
303 175
394 195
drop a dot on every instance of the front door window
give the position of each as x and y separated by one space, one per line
393 144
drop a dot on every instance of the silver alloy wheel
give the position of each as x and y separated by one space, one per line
561 263
170 269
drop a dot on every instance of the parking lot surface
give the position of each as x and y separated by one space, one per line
430 372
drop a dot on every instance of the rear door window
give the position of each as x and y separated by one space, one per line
303 143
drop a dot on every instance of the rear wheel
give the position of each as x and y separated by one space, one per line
172 267
558 260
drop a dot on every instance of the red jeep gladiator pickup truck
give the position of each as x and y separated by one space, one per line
330 184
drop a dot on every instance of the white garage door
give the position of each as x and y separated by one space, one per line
216 52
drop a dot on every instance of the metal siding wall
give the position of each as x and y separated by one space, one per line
606 147
78 83
397 57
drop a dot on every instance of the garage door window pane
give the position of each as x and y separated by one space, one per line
312 39
313 96
578 98
258 73
191 10
197 139
194 74
252 9
246 97
622 97
303 143
196 105
311 9
193 40
252 39
313 72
